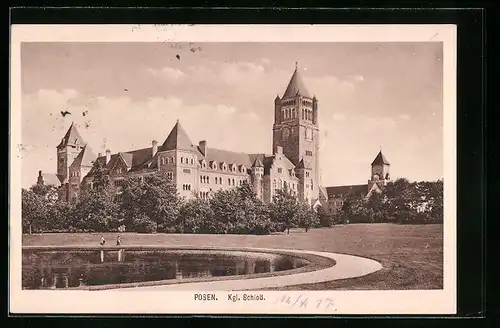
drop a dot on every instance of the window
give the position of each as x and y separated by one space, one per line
280 170
186 170
186 187
208 179
233 182
274 184
170 175
309 153
192 161
312 184
201 178
119 182
307 174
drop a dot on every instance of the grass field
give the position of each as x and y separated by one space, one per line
411 255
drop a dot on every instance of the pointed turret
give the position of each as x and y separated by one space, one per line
257 163
177 139
296 86
72 138
380 159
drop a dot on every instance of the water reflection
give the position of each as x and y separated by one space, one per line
69 269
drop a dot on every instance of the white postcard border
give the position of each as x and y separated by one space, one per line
158 302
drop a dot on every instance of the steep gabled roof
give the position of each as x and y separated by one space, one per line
257 162
343 191
296 86
177 139
71 137
380 159
304 164
51 179
85 158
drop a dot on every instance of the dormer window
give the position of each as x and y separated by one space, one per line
242 169
214 165
203 164
223 166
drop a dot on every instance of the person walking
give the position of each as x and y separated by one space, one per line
118 240
103 241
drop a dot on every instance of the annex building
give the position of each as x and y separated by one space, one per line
199 169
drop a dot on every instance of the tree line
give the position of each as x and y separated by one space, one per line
152 205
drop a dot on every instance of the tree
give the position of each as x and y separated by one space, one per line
33 211
96 209
152 204
327 216
49 192
196 216
283 210
305 217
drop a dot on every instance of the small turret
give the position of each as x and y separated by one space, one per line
257 174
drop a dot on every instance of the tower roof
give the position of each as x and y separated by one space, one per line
85 158
380 159
257 162
71 137
177 139
296 86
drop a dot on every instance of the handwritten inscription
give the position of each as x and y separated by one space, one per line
305 302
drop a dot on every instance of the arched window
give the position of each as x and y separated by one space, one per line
192 161
302 113
233 182
208 179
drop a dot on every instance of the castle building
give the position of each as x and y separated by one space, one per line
202 170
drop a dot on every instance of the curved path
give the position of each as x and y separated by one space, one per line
347 266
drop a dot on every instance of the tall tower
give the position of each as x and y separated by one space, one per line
67 150
380 170
257 173
296 129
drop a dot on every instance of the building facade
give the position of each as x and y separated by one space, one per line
198 169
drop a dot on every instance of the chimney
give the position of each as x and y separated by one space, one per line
279 150
108 156
154 144
40 178
203 147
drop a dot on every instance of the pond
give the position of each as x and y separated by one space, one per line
80 268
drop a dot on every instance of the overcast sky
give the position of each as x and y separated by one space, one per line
371 95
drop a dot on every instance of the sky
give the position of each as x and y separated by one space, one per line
122 96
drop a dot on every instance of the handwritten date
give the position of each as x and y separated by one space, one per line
303 301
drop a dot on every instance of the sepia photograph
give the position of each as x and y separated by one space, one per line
249 175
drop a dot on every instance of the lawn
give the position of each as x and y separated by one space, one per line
411 255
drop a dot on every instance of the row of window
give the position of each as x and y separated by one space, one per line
218 180
307 114
288 113
309 153
75 173
171 160
283 184
223 166
186 186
